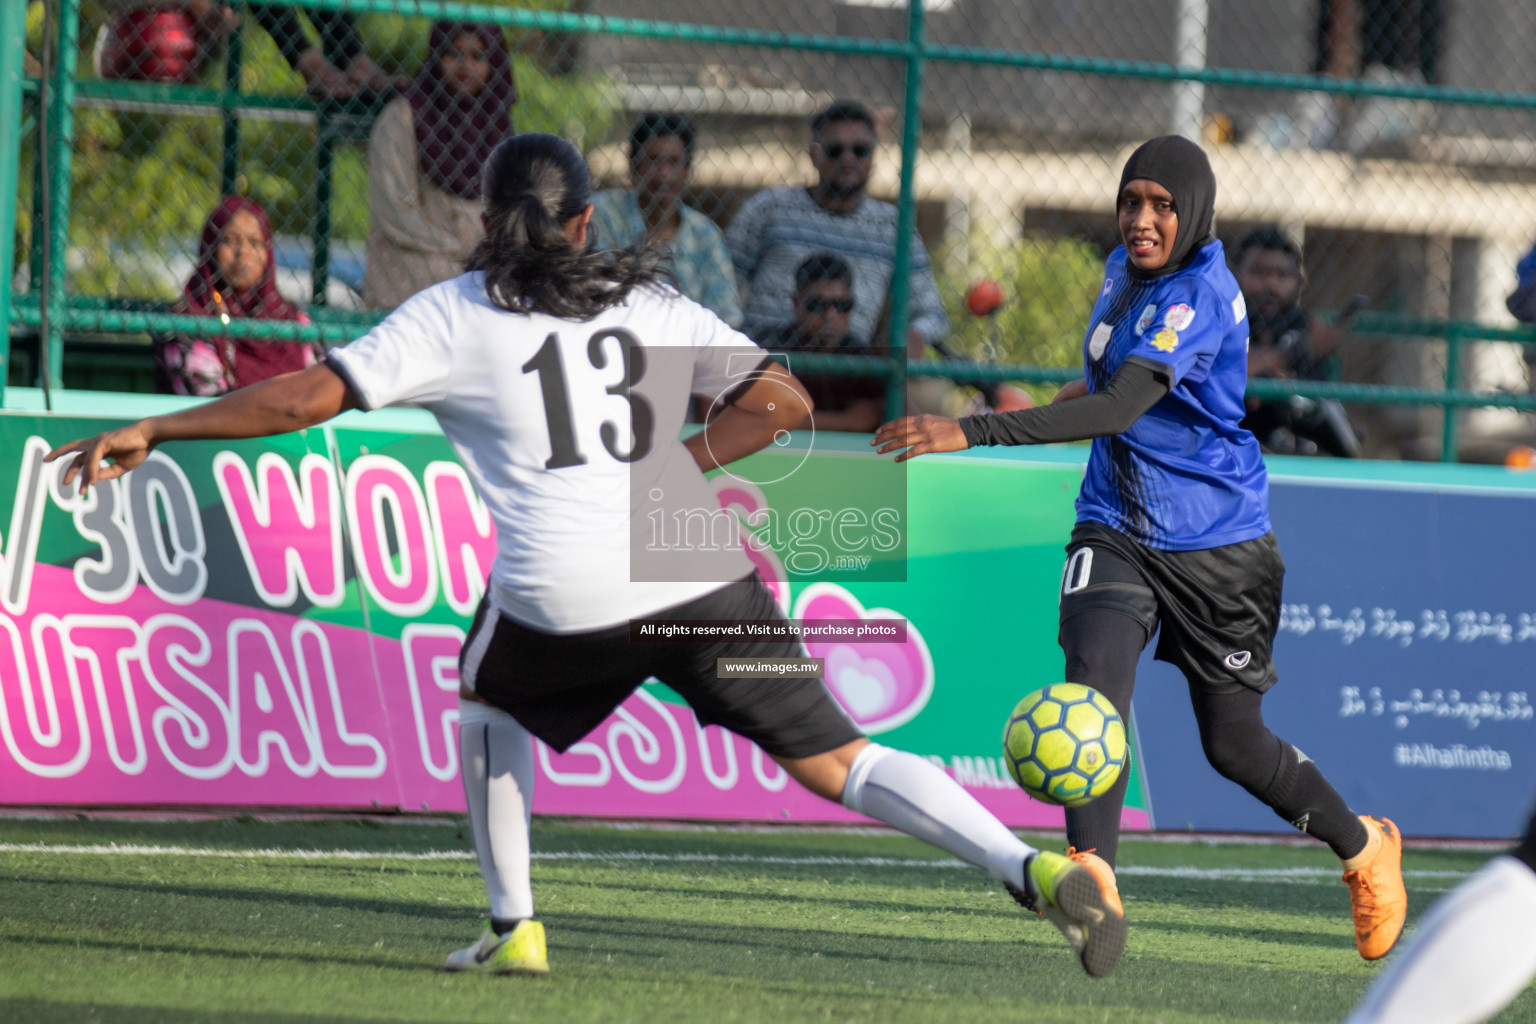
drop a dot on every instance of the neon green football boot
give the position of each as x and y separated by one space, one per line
1070 897
520 951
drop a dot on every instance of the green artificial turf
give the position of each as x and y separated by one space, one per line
674 925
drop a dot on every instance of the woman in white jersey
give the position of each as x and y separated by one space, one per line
561 377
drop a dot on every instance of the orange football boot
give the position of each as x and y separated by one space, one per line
1376 892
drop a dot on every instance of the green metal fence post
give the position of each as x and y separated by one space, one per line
906 211
1452 382
61 146
13 41
229 166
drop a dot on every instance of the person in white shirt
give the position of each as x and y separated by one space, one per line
561 376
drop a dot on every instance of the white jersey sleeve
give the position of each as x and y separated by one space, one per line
406 359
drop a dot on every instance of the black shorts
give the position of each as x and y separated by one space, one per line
561 686
1218 609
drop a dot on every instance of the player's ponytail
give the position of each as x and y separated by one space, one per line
532 185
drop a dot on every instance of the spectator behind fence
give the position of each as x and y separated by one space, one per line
234 279
779 227
1522 306
823 307
1287 342
660 162
424 160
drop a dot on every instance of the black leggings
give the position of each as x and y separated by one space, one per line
1102 648
339 40
1526 851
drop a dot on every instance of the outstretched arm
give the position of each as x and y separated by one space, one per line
277 406
1134 389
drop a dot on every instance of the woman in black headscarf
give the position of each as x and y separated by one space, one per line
1173 534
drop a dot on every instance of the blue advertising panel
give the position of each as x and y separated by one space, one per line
1407 660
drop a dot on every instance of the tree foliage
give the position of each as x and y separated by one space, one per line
143 181
1049 285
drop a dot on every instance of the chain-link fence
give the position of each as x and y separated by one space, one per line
1390 140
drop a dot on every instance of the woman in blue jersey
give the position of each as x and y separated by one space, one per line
1173 534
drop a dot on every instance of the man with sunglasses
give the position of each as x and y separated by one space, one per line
779 228
823 308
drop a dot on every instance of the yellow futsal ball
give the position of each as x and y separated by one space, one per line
1065 744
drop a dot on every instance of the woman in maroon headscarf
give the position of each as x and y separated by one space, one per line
424 160
234 277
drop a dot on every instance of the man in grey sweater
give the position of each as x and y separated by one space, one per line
779 227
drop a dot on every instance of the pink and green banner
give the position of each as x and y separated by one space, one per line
277 623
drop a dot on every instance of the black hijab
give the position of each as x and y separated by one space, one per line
1181 167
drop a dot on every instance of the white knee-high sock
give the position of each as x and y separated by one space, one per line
916 796
496 763
1470 956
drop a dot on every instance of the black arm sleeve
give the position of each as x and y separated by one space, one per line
1136 387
